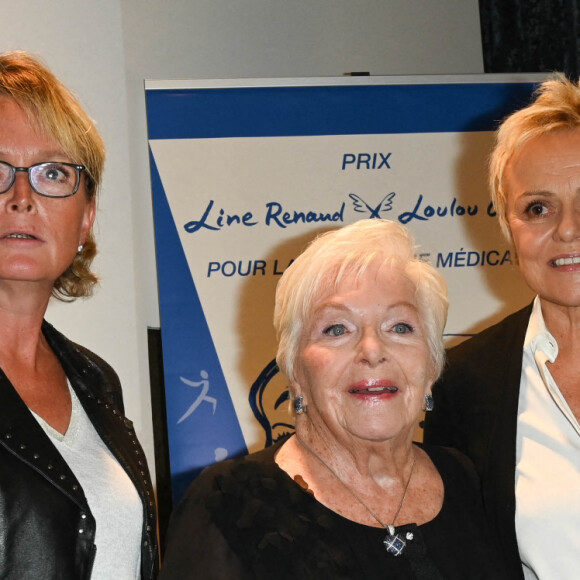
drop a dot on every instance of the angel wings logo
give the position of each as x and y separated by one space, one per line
361 206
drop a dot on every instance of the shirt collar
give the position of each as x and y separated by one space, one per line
538 338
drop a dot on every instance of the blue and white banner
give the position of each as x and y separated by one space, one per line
246 173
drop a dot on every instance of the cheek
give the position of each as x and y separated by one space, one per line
528 238
523 241
314 359
421 372
529 251
316 367
67 223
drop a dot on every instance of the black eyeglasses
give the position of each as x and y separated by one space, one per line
51 179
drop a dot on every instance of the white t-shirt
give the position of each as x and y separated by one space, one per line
112 497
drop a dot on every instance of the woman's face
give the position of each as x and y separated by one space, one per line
364 365
39 236
542 182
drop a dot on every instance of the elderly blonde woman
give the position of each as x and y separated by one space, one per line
510 398
75 497
360 322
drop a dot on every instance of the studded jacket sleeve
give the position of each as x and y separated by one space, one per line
46 527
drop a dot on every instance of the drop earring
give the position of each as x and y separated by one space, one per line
429 403
299 406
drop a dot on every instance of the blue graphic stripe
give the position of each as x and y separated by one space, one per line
212 429
330 110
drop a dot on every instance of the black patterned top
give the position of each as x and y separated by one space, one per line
246 518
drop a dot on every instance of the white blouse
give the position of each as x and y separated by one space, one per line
547 465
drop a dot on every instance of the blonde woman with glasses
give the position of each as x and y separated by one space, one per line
75 496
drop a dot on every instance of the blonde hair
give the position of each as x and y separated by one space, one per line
349 251
556 107
56 112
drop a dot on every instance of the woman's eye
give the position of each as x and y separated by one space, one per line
52 175
335 330
53 172
402 328
536 209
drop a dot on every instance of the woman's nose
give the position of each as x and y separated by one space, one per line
372 349
20 195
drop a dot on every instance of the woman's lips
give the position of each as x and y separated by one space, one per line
19 236
565 261
373 388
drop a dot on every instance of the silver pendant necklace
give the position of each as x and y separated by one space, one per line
395 543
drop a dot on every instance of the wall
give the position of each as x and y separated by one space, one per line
103 51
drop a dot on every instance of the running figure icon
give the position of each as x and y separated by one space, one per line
204 384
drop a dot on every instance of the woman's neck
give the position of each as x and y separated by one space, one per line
382 461
563 322
21 316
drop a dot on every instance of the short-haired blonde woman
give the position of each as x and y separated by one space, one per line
510 398
359 321
75 496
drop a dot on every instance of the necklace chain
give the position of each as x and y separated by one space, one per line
390 527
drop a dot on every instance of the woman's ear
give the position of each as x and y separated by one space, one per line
294 390
432 376
89 215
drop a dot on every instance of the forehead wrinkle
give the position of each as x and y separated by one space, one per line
545 193
47 154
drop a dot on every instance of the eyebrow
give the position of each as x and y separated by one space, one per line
536 193
336 305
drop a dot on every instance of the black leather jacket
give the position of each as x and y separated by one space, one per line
47 530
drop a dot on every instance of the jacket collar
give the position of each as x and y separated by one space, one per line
21 434
499 471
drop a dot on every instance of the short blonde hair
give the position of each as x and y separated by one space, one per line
57 113
556 107
349 251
